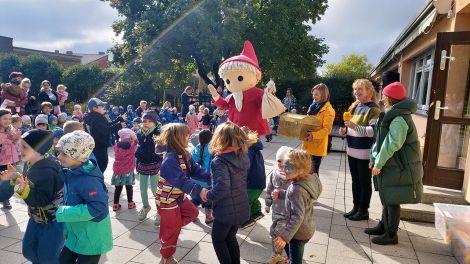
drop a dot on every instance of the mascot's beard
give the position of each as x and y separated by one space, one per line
238 97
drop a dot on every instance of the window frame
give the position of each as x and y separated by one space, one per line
416 89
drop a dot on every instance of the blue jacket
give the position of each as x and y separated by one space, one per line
228 194
206 160
145 152
256 173
165 117
85 211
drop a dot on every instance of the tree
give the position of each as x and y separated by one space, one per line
169 39
83 81
352 66
8 63
39 68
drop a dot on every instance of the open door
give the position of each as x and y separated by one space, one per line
448 125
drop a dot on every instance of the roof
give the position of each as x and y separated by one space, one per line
89 58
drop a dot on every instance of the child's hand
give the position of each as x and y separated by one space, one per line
275 194
279 243
342 131
203 195
267 209
375 171
9 173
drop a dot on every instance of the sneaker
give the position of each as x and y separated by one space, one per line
276 259
257 216
248 223
7 205
170 260
143 213
116 207
209 217
130 205
157 220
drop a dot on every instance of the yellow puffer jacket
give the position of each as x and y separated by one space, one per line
319 145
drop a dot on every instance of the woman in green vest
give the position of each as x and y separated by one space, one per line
395 162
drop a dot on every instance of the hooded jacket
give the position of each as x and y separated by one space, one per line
100 129
228 193
85 211
300 198
277 181
256 173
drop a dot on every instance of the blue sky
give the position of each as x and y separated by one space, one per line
366 27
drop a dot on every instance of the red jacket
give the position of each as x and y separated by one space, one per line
250 115
124 160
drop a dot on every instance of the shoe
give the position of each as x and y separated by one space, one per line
276 259
377 230
257 216
130 205
116 207
170 260
351 213
143 213
286 260
7 205
248 223
157 220
359 216
389 238
209 217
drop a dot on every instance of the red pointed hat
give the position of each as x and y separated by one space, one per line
248 55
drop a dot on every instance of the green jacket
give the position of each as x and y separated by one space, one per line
397 153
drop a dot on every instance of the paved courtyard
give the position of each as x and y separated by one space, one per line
335 241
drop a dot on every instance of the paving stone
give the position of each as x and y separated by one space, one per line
254 251
8 257
342 233
7 241
189 238
429 258
151 255
260 234
430 245
347 250
402 249
17 247
315 253
119 255
422 229
16 231
136 239
384 259
120 227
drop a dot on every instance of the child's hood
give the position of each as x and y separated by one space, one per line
257 146
406 106
88 169
238 161
312 185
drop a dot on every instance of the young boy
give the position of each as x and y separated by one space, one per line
41 187
52 122
46 108
41 122
26 119
100 129
71 126
85 210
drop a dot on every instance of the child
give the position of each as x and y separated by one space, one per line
206 120
136 126
62 96
277 188
300 197
53 122
77 118
174 115
200 114
41 187
9 139
71 126
175 181
77 111
203 157
228 193
256 180
57 134
123 167
130 116
269 137
222 118
16 122
61 119
41 122
46 108
148 162
85 208
165 113
26 119
191 119
396 143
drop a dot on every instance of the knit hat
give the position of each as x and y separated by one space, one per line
126 133
137 120
248 55
25 118
58 132
78 145
395 91
39 140
15 74
282 153
41 119
52 118
150 115
62 116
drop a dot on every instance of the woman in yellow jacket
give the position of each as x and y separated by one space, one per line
316 143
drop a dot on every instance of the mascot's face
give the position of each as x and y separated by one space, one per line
239 81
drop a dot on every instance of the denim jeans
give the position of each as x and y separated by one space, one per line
296 250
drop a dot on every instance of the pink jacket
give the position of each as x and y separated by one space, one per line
199 116
124 159
192 122
9 149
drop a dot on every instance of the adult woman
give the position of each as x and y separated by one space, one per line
32 107
46 94
316 143
289 101
186 99
359 132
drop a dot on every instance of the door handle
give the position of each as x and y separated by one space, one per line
438 109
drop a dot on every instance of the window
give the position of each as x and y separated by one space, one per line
421 76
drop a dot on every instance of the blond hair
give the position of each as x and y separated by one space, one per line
173 136
61 86
229 135
167 103
301 161
367 85
25 80
324 91
71 126
239 66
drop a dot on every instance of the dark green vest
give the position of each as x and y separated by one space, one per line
401 179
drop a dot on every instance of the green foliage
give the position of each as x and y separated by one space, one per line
352 66
8 63
84 81
39 68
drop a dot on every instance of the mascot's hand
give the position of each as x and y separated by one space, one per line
213 91
271 86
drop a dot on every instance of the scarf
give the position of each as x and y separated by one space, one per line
315 108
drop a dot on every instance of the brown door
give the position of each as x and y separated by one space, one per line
448 125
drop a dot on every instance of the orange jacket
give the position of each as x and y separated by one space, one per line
318 145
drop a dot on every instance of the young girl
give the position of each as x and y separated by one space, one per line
62 95
228 193
9 139
123 167
206 119
175 181
77 111
203 157
191 119
396 146
199 115
300 197
275 198
165 114
148 163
